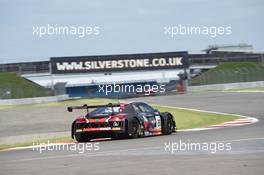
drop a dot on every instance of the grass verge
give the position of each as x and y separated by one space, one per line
188 119
31 143
13 86
231 72
246 90
63 103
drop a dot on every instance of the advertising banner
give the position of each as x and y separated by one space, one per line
119 63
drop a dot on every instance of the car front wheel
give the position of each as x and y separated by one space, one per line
167 125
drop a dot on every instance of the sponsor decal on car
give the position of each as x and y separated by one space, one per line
116 128
78 130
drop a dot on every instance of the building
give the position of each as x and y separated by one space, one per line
82 75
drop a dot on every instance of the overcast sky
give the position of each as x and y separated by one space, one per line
135 26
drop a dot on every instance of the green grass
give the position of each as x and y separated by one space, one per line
187 119
79 101
247 89
14 86
238 65
5 107
231 72
64 103
35 142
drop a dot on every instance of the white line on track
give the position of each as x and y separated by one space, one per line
103 153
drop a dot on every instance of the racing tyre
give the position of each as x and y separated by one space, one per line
135 129
167 125
81 137
115 136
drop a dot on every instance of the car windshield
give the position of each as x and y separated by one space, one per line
105 110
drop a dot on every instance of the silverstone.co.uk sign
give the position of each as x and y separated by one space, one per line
115 63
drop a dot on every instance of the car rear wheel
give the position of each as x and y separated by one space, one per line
115 136
135 128
81 137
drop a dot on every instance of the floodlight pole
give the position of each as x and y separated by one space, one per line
51 76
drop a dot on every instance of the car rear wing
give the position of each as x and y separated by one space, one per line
87 107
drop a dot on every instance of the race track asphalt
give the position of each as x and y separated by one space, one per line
150 156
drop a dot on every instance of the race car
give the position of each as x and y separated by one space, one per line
120 120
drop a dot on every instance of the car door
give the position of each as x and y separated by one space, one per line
151 115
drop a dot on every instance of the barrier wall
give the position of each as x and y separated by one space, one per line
34 100
227 86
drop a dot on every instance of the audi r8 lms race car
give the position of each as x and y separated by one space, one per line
121 120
